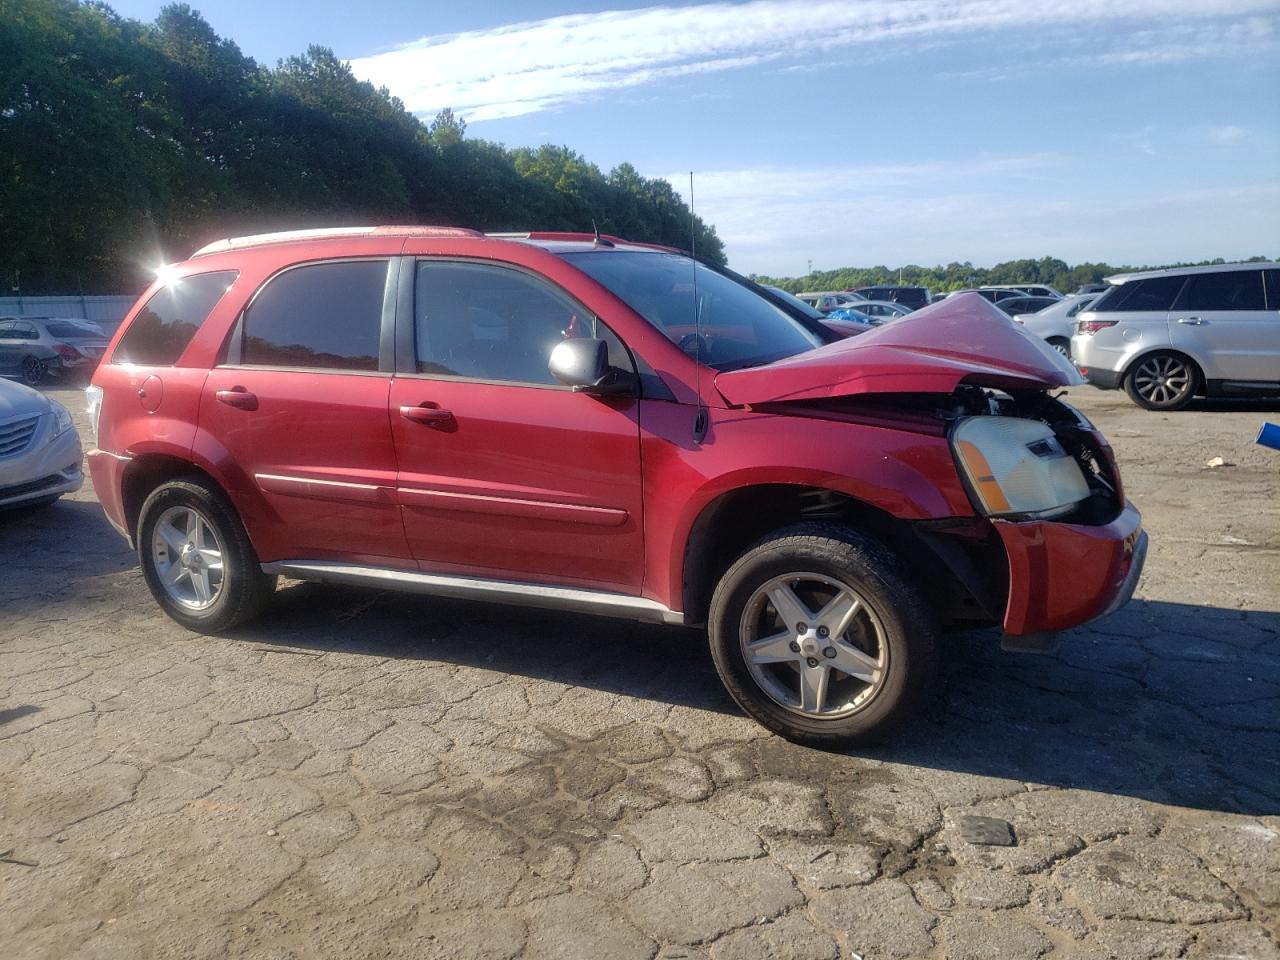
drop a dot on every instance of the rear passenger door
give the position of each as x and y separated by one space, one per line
300 407
1221 319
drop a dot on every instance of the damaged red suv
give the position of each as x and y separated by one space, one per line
580 422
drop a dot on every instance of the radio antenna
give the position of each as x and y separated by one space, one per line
700 419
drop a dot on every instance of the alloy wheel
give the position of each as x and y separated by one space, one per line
1162 379
813 645
187 554
33 370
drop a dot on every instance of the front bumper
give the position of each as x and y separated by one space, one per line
1062 575
48 466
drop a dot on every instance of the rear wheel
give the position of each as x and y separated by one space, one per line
33 370
197 559
1162 381
818 636
1062 345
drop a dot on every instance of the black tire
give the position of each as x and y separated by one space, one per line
33 370
1062 345
874 575
245 590
1163 380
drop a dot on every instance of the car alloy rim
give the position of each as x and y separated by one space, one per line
187 554
1063 349
32 369
1162 379
813 645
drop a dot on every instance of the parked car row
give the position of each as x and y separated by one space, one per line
1164 336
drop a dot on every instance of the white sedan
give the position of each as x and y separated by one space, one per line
1056 323
39 448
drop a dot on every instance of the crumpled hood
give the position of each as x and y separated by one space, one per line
17 400
963 339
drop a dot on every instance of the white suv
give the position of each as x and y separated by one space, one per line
1166 336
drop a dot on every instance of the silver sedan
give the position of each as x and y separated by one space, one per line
39 448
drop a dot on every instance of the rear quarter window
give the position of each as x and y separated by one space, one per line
163 328
1155 294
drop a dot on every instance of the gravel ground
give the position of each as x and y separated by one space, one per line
372 775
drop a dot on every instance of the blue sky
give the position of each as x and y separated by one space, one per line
861 132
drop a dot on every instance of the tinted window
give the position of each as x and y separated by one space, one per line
70 328
326 315
1232 290
164 327
1273 289
8 331
492 323
1156 293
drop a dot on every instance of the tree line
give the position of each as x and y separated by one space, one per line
961 276
125 144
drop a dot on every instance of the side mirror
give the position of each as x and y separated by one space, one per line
583 363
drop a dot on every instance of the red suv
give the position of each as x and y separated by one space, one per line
580 422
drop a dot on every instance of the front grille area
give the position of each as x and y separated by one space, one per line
31 486
16 435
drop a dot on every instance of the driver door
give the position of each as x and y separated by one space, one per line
503 472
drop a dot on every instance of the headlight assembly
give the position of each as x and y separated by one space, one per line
1017 468
61 420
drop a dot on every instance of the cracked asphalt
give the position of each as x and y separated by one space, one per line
372 775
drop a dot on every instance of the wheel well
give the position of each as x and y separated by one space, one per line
735 520
146 473
1199 372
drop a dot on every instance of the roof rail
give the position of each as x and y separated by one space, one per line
604 239
331 233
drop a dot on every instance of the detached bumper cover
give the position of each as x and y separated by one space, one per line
1062 575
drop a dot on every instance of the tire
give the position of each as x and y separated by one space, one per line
33 370
1162 381
1062 345
893 628
235 588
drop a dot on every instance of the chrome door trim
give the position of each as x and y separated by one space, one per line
599 602
495 505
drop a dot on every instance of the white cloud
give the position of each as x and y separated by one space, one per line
1227 136
537 65
774 221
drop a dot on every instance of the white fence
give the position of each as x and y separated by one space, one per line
107 312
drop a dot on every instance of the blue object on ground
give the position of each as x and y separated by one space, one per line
1269 436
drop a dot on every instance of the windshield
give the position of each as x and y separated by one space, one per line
72 328
736 327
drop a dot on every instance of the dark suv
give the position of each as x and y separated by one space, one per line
913 297
580 422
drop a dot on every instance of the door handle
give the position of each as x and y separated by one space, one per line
429 416
1193 321
238 397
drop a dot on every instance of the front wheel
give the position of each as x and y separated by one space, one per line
1162 381
818 635
197 559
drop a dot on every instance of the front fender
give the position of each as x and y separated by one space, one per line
910 476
